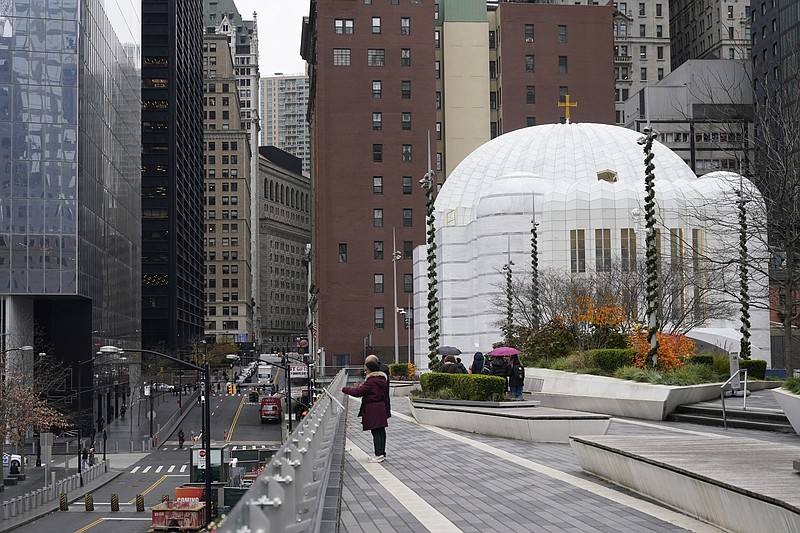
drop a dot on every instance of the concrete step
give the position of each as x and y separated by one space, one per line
734 412
733 422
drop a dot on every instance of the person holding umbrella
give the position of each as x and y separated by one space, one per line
516 377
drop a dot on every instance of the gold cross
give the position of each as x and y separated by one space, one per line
566 103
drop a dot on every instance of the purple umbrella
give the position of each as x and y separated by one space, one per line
504 351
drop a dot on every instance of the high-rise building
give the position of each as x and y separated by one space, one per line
171 174
223 18
229 307
709 30
285 227
372 106
70 133
284 103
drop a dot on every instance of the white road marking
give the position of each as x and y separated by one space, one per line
183 468
171 468
159 468
428 516
146 469
642 505
135 469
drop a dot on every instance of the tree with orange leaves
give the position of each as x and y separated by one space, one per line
672 349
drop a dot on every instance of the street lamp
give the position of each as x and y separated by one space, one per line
396 255
206 410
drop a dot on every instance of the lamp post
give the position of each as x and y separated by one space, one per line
205 369
396 255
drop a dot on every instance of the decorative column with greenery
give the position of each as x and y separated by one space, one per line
744 289
651 262
535 320
428 183
508 329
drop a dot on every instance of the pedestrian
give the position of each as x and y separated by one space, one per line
91 456
181 438
477 363
385 369
373 400
450 365
461 368
122 411
101 422
85 456
516 378
498 366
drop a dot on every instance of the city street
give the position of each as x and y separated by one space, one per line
160 472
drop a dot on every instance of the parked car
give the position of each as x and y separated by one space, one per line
11 459
271 409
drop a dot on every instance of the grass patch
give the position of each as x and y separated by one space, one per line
792 385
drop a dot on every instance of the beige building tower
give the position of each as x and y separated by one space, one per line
284 103
228 233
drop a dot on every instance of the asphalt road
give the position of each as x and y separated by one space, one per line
233 419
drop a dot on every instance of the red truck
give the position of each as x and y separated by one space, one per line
270 409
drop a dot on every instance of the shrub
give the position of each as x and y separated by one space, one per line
756 368
691 374
632 373
792 385
722 365
700 359
400 371
609 360
672 349
475 387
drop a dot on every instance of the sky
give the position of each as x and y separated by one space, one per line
280 25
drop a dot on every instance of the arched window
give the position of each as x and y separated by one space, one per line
271 190
281 198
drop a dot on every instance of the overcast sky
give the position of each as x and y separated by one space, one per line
280 25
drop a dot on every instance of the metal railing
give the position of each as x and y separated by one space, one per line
722 395
289 494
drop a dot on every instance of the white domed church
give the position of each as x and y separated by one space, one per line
586 184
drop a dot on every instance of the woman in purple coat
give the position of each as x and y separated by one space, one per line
373 403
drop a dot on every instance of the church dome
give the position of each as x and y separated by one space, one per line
561 154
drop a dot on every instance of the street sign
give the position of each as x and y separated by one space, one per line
201 459
151 415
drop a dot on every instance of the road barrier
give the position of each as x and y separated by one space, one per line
114 503
139 503
89 502
64 504
289 495
164 498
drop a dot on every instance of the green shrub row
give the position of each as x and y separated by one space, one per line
756 368
474 387
610 359
792 385
700 359
400 370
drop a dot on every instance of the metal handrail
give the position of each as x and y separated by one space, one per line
289 494
722 395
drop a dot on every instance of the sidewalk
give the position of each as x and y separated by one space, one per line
451 481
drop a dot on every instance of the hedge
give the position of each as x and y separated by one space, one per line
756 368
400 370
700 359
476 387
609 360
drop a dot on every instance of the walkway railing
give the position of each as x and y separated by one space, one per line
289 495
727 384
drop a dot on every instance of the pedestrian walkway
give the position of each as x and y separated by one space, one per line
450 481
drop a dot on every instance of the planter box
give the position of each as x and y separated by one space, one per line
790 403
402 388
600 394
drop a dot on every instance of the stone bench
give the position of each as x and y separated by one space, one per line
10 481
19 477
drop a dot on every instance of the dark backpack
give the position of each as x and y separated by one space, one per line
519 372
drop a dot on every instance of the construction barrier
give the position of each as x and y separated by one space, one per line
114 503
139 503
63 505
164 498
89 502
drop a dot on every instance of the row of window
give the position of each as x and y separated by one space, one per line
224 173
226 214
496 97
624 73
622 51
377 89
347 26
225 145
623 8
377 153
227 255
225 268
226 242
226 228
232 186
227 283
378 284
621 30
378 317
378 250
225 200
211 310
561 34
212 87
602 239
377 120
226 325
211 159
288 196
226 297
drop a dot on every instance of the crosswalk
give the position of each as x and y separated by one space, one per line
159 469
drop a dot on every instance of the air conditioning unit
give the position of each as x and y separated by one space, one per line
529 40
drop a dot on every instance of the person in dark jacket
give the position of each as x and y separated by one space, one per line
516 377
498 366
385 369
450 365
477 363
461 368
373 401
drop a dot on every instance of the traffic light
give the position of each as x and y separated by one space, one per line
230 388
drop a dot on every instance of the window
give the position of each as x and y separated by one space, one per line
562 64
406 120
405 90
643 73
439 157
406 153
659 31
642 30
377 120
405 26
405 57
376 25
341 57
377 249
377 184
408 283
342 252
408 218
641 9
530 94
408 250
660 71
377 218
377 283
378 314
376 57
563 91
493 100
438 131
528 63
437 67
528 33
730 32
658 10
530 121
377 153
562 34
642 52
406 184
602 247
343 26
492 40
436 39
377 89
730 12
659 52
437 98
577 250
